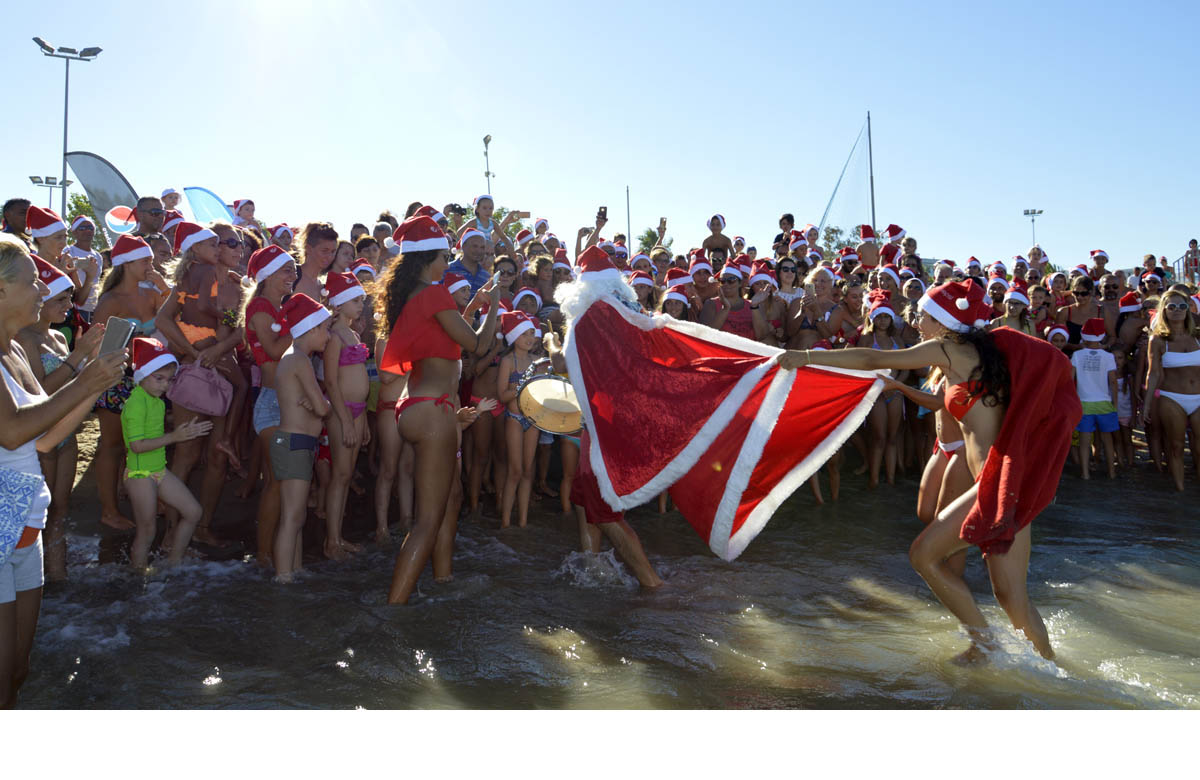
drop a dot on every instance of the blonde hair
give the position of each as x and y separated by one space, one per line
1161 327
11 251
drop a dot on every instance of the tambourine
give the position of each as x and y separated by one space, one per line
548 401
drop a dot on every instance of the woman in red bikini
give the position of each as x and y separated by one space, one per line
426 344
999 368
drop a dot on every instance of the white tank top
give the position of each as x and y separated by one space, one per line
25 458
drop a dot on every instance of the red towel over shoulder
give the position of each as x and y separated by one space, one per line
1023 468
418 335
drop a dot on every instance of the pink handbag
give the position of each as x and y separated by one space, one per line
201 390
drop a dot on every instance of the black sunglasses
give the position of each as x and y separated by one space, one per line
154 212
232 243
1082 293
730 280
790 268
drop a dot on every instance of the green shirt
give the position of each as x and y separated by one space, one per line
141 419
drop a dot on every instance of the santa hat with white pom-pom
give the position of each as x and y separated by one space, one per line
960 306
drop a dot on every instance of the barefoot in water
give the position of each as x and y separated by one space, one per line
548 490
382 537
444 580
204 535
119 522
974 654
336 552
352 547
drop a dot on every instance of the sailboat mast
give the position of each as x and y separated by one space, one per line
871 165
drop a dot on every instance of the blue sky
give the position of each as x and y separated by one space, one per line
336 111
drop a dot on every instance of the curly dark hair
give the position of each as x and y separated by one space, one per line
992 371
398 283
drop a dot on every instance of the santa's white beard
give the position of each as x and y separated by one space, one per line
575 297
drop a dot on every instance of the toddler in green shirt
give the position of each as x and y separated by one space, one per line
146 477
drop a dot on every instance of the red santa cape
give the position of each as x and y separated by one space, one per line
674 404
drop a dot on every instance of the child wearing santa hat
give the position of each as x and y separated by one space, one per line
348 385
1096 381
147 480
717 239
521 335
302 406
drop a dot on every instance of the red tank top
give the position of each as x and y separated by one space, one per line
418 335
740 322
255 306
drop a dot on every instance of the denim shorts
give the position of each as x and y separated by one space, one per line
266 410
22 571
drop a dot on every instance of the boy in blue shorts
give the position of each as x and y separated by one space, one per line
1096 383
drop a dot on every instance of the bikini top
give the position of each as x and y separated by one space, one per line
961 397
353 355
417 335
140 326
1180 359
50 362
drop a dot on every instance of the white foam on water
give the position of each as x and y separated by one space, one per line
595 570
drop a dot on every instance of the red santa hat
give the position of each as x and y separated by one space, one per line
561 256
594 265
129 248
974 261
527 292
149 355
894 232
642 278
342 287
620 250
809 228
454 282
640 256
173 219
524 237
431 212
737 239
421 234
1018 291
891 271
466 234
541 223
301 314
43 222
55 280
720 220
188 234
676 294
363 266
699 263
881 303
80 221
266 261
996 277
998 268
960 306
1130 302
237 204
848 254
282 228
798 241
1080 269
1057 328
866 233
677 277
1148 275
1099 253
761 272
1093 330
478 198
732 269
513 324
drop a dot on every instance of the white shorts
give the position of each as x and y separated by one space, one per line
22 571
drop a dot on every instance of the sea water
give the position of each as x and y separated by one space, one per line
822 610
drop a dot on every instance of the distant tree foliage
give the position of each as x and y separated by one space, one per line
77 204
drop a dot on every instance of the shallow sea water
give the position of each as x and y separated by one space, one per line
822 611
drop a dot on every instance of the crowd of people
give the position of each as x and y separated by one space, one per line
293 361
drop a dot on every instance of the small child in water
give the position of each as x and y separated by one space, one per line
146 477
294 446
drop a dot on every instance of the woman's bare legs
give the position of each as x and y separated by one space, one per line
1009 572
569 452
956 480
1173 423
433 431
18 624
388 438
877 440
931 486
891 447
110 453
58 466
406 484
481 431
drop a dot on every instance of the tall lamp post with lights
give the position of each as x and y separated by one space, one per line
52 183
66 54
1033 214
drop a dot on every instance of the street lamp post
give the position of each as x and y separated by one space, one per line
1033 214
52 183
66 54
487 166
